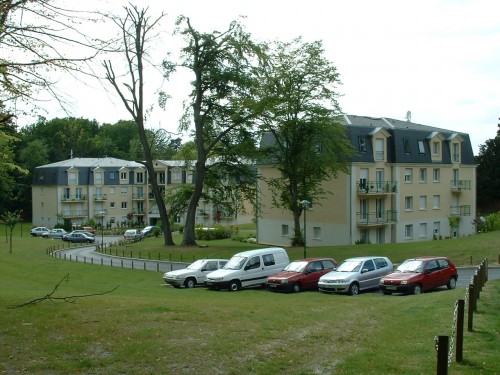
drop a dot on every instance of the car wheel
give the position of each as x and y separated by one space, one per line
452 283
417 289
353 289
190 283
296 288
234 286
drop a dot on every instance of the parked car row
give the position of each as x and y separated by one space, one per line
59 233
271 268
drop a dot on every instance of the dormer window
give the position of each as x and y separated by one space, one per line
421 147
456 152
436 148
406 146
362 144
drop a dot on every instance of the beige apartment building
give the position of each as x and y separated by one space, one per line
111 191
407 182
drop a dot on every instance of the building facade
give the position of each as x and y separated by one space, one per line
113 192
407 182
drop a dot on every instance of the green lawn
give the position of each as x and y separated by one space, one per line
144 327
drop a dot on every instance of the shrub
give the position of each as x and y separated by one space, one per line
208 234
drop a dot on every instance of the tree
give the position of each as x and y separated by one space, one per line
488 172
306 142
38 38
10 219
135 29
220 106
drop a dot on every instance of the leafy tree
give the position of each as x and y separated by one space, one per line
220 105
488 173
307 144
10 219
135 29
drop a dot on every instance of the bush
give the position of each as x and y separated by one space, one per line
207 234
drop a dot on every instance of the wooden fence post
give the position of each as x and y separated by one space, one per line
459 338
470 315
442 355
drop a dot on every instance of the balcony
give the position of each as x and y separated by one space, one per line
137 212
138 196
73 198
75 214
99 213
463 210
100 197
366 219
458 185
366 187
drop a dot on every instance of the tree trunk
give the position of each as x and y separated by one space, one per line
189 237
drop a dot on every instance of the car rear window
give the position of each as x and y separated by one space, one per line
443 263
328 264
268 260
380 262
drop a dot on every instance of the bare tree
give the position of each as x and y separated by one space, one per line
37 39
135 30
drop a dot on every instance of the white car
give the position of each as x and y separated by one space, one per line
39 231
133 235
356 274
55 233
194 274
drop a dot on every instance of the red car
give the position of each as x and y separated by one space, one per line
420 274
301 275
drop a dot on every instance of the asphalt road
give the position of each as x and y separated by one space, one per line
88 255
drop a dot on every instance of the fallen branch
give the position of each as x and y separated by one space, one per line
68 299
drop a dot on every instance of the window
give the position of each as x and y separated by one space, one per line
123 176
368 266
268 260
409 231
254 262
124 205
111 204
78 193
423 175
423 202
162 177
124 190
328 265
98 193
362 144
436 202
380 262
72 178
443 263
456 152
436 228
421 147
111 190
112 176
379 149
139 177
408 203
317 233
436 148
408 174
423 230
406 146
432 266
98 178
284 230
436 175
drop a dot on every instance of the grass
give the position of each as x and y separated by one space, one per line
145 327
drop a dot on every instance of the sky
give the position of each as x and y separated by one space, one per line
437 59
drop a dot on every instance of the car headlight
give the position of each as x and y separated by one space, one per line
284 281
404 282
215 278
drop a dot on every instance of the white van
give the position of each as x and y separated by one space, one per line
249 268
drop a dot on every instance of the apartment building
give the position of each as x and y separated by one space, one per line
407 182
111 191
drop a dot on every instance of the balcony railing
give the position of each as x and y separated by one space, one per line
377 218
138 196
100 197
376 187
73 198
458 185
463 210
75 213
138 212
100 213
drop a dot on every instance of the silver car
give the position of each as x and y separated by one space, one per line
355 274
55 233
194 274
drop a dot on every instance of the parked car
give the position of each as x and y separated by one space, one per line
55 233
419 274
301 275
79 237
133 235
39 231
149 230
66 236
355 275
248 269
89 229
194 274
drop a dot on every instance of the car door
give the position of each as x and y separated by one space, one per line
432 275
313 272
367 277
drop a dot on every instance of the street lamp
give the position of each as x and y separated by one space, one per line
305 204
102 213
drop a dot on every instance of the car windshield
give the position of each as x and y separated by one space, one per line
411 266
196 265
235 263
295 267
349 266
